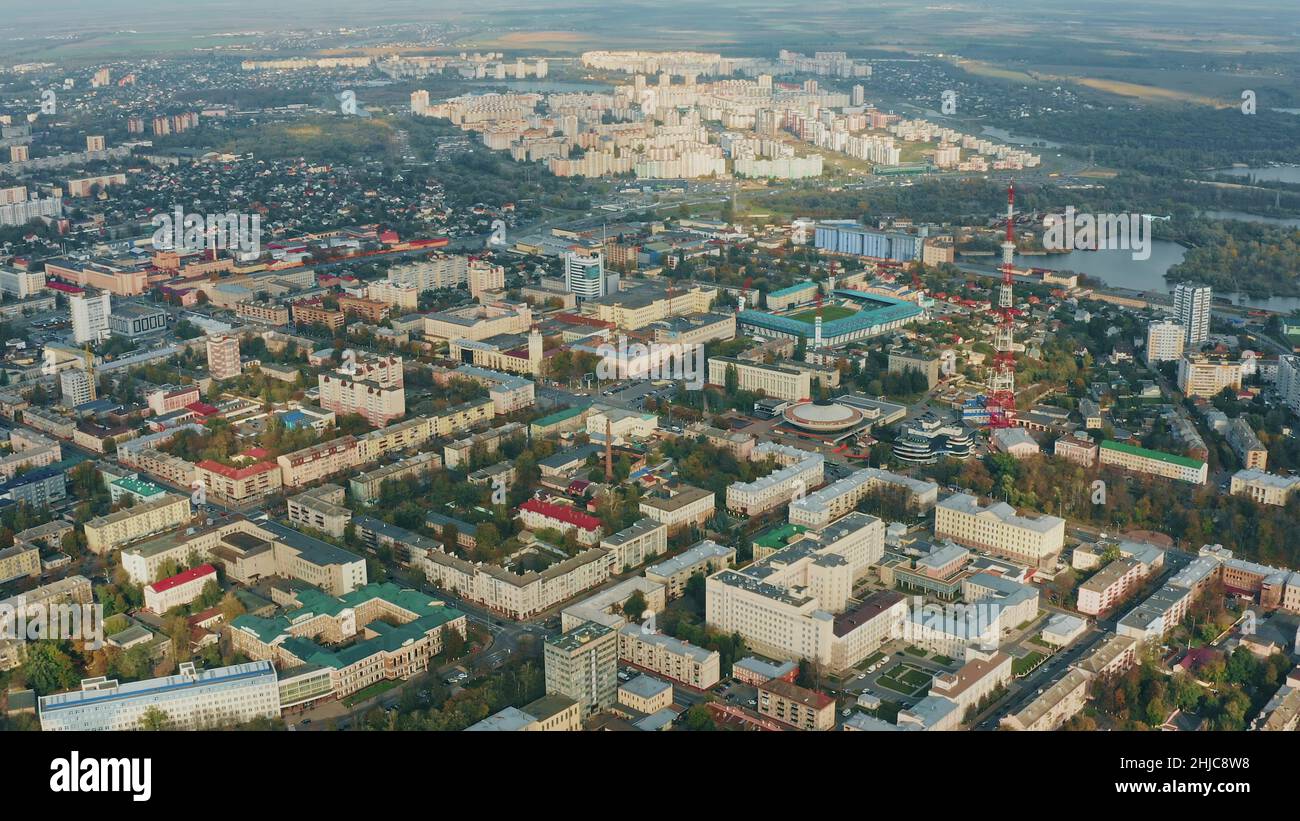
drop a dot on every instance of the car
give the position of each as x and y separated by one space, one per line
845 712
304 722
861 676
753 702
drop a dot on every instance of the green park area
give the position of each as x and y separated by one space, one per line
907 679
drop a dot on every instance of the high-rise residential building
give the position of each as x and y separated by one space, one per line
1165 341
583 665
585 276
94 142
223 357
1288 381
372 388
90 312
1192 311
484 276
78 387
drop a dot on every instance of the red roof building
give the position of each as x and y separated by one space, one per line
537 514
163 585
178 590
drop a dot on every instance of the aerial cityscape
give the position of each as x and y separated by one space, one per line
644 367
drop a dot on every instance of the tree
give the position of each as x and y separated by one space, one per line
695 591
155 719
210 596
699 719
48 669
634 606
231 607
453 643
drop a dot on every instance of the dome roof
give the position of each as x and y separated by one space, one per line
822 416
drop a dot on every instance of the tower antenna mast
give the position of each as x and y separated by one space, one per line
1002 399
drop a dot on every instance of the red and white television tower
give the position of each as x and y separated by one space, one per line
1002 386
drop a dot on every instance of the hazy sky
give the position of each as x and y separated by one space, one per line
207 16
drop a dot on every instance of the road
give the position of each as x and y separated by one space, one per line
1026 689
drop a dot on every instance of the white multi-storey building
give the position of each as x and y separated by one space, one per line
223 357
1192 311
1165 341
584 275
90 312
19 283
801 470
1034 540
190 700
823 506
1265 488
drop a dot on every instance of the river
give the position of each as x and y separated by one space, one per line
1272 173
1018 139
1118 269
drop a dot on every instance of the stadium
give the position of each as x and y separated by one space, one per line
847 316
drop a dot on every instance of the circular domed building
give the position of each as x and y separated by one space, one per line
822 417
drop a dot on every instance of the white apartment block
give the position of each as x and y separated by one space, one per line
1111 585
774 381
669 657
633 546
511 594
1033 540
801 471
1288 382
823 506
679 507
320 508
401 295
373 389
483 276
1154 462
706 557
191 700
509 392
1165 341
90 312
443 271
1202 376
105 533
